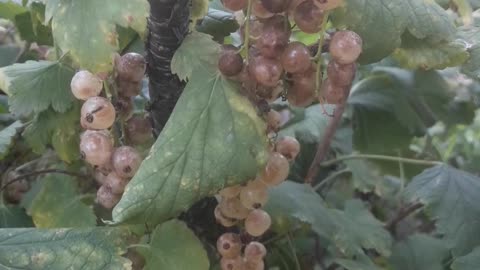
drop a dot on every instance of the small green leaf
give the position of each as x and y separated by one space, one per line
380 23
95 248
419 251
450 197
14 217
35 86
213 139
415 53
290 203
471 35
428 20
365 175
471 261
8 54
91 43
57 204
357 228
197 52
174 246
57 129
6 137
362 262
218 23
9 9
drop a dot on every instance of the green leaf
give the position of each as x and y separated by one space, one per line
8 54
197 52
450 197
380 23
350 230
357 228
213 139
95 248
14 217
290 203
471 35
419 251
365 175
35 86
57 129
393 105
174 246
57 204
310 125
9 9
428 20
471 261
362 262
91 42
415 53
218 23
6 137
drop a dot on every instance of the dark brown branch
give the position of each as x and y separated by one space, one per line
167 27
402 213
326 140
35 173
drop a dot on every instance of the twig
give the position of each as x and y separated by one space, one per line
21 177
294 252
381 157
330 178
247 30
401 214
324 144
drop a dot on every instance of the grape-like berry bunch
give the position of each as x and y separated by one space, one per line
275 66
113 166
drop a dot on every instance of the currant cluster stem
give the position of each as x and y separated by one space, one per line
318 56
381 157
246 44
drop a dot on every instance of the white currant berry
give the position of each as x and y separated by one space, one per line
85 85
96 147
257 222
97 113
126 161
229 245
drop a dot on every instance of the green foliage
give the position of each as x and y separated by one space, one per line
419 251
13 217
92 42
60 130
174 246
8 54
57 203
450 197
7 136
197 52
470 261
89 248
33 87
213 139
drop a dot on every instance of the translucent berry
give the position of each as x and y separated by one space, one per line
333 94
345 47
266 72
96 147
257 222
124 107
288 146
230 192
233 208
296 58
131 67
308 17
276 6
126 161
127 88
232 264
97 113
222 219
255 251
106 198
254 265
302 89
230 62
276 170
341 75
254 195
234 5
273 120
85 85
326 5
116 183
259 11
138 129
274 36
229 245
